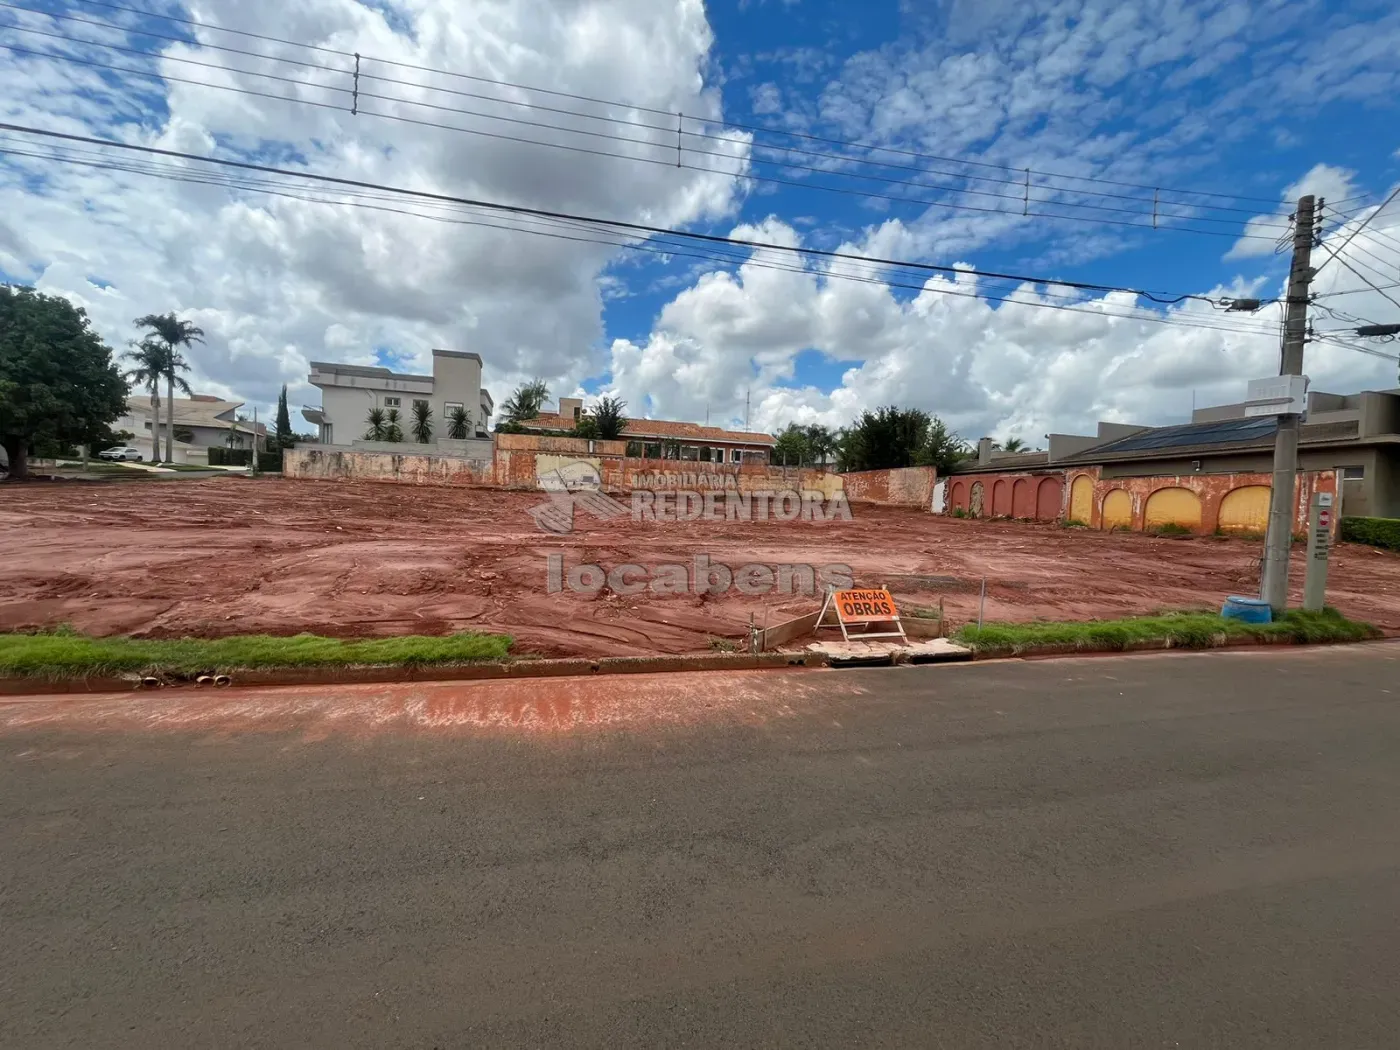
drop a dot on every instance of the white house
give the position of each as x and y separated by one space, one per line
348 392
201 422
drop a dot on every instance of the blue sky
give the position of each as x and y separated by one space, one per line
1258 100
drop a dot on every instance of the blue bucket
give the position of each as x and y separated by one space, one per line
1249 610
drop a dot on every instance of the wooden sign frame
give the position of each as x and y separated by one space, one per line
831 604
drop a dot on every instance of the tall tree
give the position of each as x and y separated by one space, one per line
821 443
285 437
942 449
174 333
792 448
1011 445
526 402
888 437
608 415
147 370
57 378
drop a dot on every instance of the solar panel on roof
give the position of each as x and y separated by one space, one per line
1221 432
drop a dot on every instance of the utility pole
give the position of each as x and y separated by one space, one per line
1273 586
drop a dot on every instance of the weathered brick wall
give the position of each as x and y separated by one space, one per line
901 486
328 464
1027 495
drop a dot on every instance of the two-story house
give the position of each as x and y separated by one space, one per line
349 392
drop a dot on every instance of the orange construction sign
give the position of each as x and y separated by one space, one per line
865 606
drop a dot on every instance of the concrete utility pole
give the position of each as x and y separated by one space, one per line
1279 542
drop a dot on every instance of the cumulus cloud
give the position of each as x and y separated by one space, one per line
278 281
1016 368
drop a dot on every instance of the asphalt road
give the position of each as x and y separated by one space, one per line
1175 851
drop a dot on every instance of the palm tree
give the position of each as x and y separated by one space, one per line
526 402
148 359
174 333
422 422
459 424
609 418
393 431
378 426
1013 445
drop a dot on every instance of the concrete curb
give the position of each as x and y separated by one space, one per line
443 673
1032 652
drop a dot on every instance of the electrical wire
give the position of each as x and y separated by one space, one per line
708 240
1352 236
1025 211
668 114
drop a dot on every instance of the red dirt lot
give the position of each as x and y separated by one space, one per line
237 555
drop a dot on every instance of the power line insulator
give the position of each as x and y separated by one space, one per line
1372 330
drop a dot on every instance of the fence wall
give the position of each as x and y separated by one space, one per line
1203 503
901 487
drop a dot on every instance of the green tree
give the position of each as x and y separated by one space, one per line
821 443
285 437
174 333
393 428
792 448
608 415
459 424
58 381
378 425
422 422
886 438
1011 445
586 427
942 449
147 370
526 402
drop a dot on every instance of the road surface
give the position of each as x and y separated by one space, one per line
1164 851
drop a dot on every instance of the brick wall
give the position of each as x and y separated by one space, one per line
902 487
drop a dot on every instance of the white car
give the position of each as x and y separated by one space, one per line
120 452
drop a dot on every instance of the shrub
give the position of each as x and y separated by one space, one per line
1378 532
270 461
1170 528
1074 523
229 457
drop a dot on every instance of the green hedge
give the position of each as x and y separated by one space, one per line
1378 532
270 461
228 457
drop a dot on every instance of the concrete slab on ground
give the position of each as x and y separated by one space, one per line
934 650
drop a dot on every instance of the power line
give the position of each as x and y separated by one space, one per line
707 239
756 129
1351 236
1375 288
1024 212
670 251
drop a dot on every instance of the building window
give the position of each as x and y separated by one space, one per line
391 402
652 450
1353 473
690 452
736 456
416 403
448 407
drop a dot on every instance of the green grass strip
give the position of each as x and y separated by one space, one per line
1187 630
64 654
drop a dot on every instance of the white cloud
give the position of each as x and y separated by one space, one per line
277 281
1005 369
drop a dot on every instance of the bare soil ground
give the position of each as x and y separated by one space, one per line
239 555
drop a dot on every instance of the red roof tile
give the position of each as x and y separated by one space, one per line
659 428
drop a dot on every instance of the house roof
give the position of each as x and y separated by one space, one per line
368 371
201 411
1219 436
664 429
